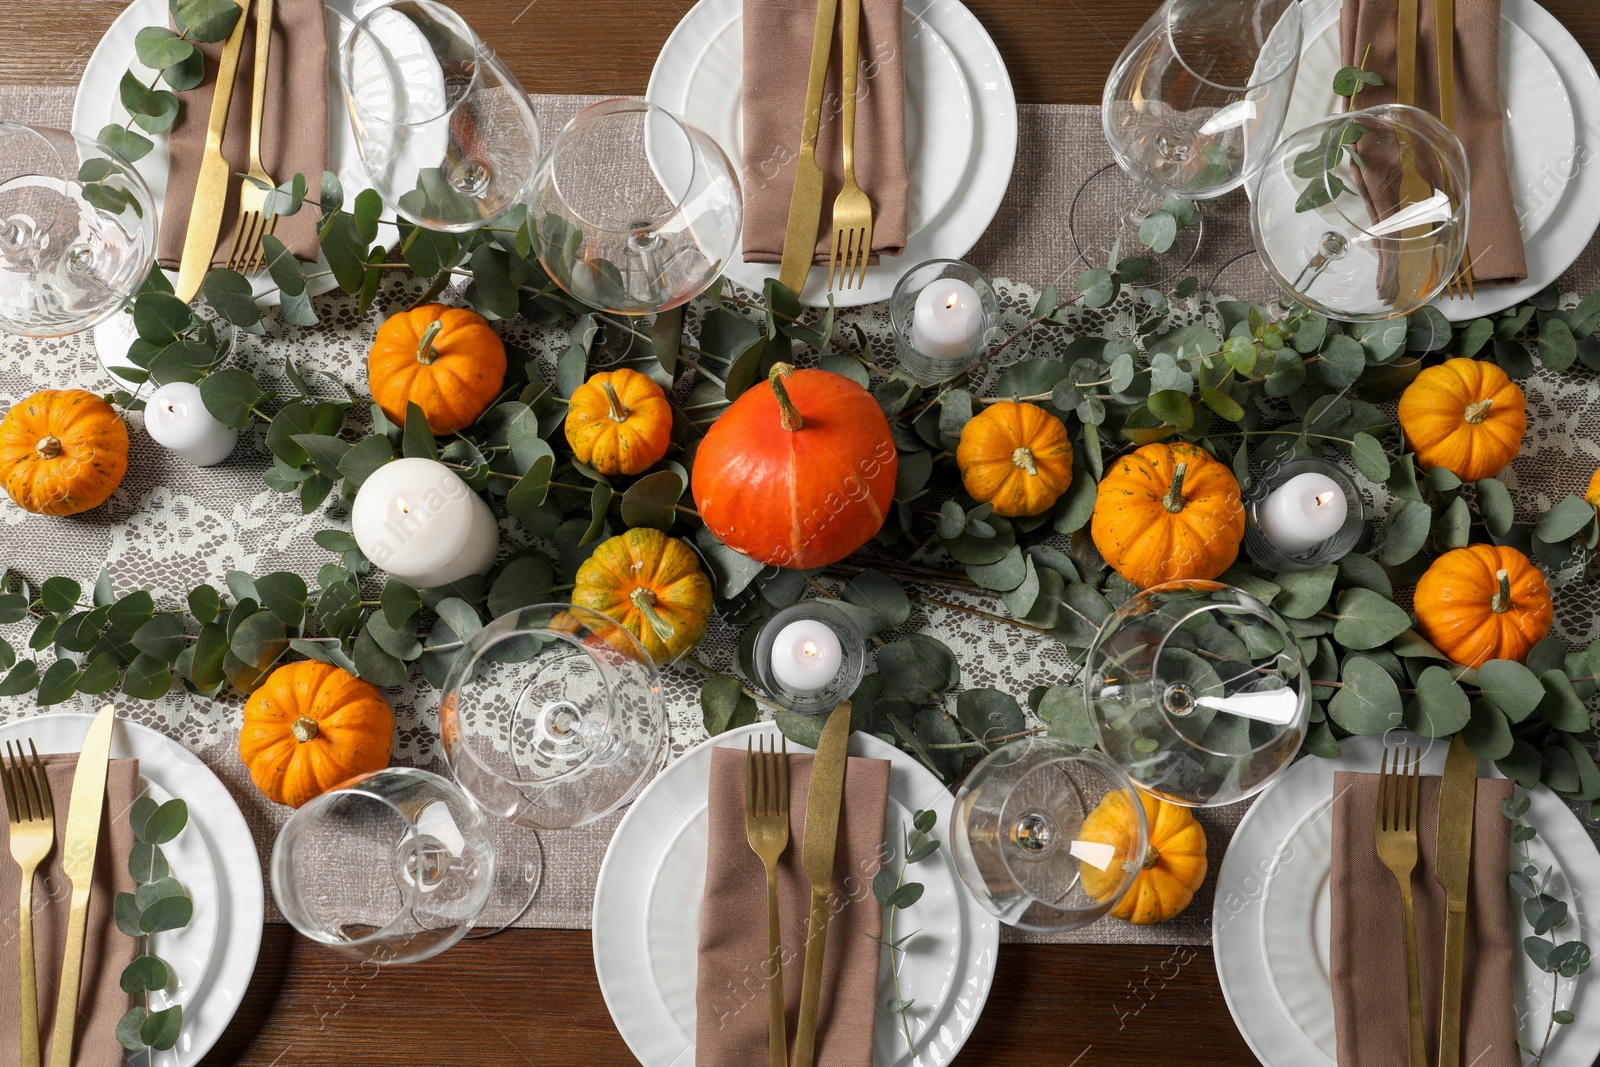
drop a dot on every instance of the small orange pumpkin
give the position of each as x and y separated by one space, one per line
1464 415
653 585
310 727
1483 602
1592 494
619 422
62 451
1016 457
1174 864
1168 513
445 360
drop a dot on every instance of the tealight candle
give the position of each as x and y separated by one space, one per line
177 418
418 521
806 656
948 320
1301 514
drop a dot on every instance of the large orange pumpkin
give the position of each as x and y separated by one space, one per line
1016 457
1483 602
1464 415
1168 513
619 422
445 360
798 473
653 585
1174 864
62 451
310 727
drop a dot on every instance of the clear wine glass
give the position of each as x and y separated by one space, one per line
634 210
1191 109
1363 216
1021 844
391 867
77 231
445 131
1198 692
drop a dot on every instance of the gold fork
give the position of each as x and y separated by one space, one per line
852 211
33 835
1461 284
1399 789
766 820
246 255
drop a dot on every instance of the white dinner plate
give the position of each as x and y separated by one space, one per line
961 129
215 824
191 951
1271 918
647 917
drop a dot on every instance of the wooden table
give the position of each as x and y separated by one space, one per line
529 997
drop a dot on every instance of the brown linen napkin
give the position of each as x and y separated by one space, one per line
294 130
1369 968
777 66
731 993
107 950
1495 235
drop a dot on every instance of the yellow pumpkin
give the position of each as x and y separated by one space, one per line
1174 864
62 451
1168 513
1015 456
310 727
619 422
1464 415
653 585
445 360
1483 602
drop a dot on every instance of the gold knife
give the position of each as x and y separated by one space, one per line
822 837
805 203
211 188
1414 275
1458 797
77 862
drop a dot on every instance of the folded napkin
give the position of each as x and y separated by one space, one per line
1494 238
777 67
731 994
107 950
294 130
1369 967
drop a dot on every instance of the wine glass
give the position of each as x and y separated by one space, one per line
635 211
1363 215
445 131
1048 838
392 867
1191 109
77 231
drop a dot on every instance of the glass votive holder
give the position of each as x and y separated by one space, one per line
812 641
945 314
1280 525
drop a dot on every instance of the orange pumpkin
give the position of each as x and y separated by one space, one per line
1483 602
1174 864
799 473
1168 513
310 727
445 360
62 451
619 422
1592 494
1016 457
653 585
1464 415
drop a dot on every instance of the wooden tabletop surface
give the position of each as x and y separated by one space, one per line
529 997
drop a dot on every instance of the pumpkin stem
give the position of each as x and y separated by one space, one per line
1152 857
1501 601
304 729
49 447
1173 501
645 601
1023 459
619 410
788 413
426 353
1476 413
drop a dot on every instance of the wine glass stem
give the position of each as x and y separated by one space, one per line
1146 205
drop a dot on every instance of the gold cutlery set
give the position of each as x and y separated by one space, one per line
31 813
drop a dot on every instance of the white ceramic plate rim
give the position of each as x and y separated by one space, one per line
192 950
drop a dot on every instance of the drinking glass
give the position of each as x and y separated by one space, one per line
1198 692
391 867
1021 844
634 210
1191 109
444 129
77 231
1372 233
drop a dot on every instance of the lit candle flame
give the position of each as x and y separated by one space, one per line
1324 500
952 301
405 509
809 650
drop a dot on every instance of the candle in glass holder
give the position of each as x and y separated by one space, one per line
177 418
1302 513
419 522
806 656
948 320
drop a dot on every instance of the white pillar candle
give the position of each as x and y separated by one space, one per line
177 418
1302 513
806 656
419 522
947 320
